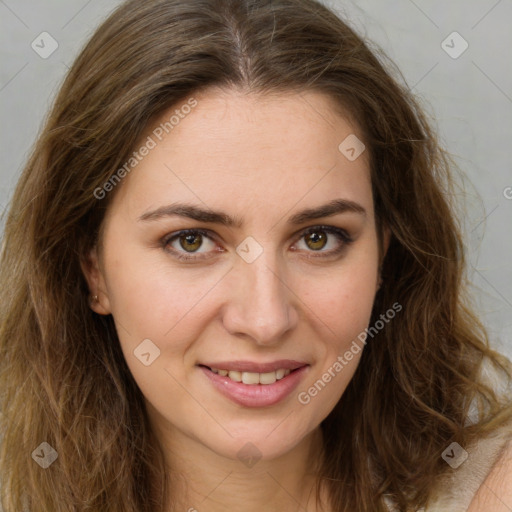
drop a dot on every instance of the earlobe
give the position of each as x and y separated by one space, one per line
98 299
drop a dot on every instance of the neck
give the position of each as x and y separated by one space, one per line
201 479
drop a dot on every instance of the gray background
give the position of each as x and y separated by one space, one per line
469 99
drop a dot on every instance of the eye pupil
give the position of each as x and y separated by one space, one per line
192 242
318 239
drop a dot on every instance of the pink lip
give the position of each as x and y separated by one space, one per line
249 366
256 395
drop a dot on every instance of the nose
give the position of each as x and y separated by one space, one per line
261 304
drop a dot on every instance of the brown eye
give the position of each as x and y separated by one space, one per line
191 242
325 241
316 240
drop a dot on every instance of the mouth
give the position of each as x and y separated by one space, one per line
240 382
253 378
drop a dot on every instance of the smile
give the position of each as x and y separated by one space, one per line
256 388
252 377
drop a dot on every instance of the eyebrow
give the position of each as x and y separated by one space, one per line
335 207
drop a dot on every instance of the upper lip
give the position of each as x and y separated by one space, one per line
250 366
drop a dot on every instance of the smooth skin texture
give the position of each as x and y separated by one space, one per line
260 160
496 491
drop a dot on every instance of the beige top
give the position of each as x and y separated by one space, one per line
461 484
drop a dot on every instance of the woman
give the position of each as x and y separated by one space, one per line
233 279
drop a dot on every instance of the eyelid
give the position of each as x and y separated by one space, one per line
332 230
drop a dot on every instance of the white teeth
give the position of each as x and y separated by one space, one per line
252 378
280 373
268 378
236 376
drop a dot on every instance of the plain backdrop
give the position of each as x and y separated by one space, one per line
455 56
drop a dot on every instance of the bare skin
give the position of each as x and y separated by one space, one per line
495 493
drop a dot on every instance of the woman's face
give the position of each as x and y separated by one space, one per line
278 272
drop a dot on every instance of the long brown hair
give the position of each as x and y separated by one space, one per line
63 378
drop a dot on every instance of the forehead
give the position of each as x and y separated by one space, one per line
238 149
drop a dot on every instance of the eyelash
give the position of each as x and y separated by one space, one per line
342 234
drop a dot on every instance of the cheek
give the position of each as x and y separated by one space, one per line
351 311
150 297
344 303
343 308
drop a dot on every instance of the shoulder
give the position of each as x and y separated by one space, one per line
484 474
495 493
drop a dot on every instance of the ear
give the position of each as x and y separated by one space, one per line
92 270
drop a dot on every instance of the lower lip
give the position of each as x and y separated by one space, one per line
256 395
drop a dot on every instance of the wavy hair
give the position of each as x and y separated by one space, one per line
63 378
